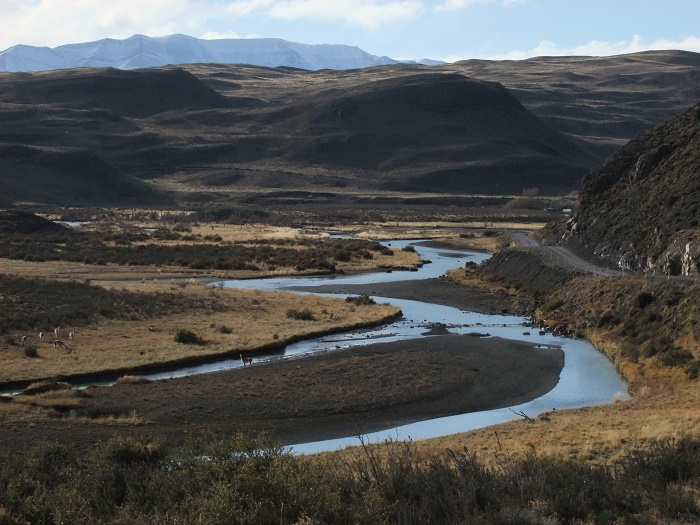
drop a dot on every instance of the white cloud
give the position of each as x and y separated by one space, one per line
214 35
240 8
370 14
449 5
52 22
592 48
55 22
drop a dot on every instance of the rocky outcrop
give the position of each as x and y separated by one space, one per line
641 210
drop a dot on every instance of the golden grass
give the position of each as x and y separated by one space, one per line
255 319
239 233
131 379
49 406
247 233
599 434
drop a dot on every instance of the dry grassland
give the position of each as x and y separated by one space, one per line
254 232
249 320
248 234
45 408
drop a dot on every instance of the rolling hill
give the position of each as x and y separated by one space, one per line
217 132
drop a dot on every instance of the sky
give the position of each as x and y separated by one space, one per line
448 30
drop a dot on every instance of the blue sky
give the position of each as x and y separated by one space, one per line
403 29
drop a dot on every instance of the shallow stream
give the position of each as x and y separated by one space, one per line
588 377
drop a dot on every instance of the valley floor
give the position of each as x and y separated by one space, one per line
315 398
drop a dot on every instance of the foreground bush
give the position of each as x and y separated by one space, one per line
244 481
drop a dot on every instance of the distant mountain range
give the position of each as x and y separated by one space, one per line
141 51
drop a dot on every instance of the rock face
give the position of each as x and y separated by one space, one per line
641 209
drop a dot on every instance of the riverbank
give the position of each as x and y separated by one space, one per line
334 394
441 291
321 397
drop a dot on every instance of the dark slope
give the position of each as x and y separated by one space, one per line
605 100
22 222
67 176
57 130
641 209
222 130
440 132
136 94
427 132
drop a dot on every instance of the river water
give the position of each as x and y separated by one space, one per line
588 377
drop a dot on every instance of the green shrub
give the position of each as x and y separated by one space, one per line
300 315
675 357
360 300
243 480
644 299
186 337
551 305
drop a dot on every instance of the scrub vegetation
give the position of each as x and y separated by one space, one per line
244 481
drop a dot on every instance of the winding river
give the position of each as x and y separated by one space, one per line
588 377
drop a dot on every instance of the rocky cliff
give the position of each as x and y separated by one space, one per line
641 209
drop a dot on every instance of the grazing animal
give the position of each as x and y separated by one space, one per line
41 335
24 339
56 330
59 344
71 334
246 360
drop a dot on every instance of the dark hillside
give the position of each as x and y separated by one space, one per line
134 93
220 133
67 176
430 132
93 133
22 222
641 209
604 100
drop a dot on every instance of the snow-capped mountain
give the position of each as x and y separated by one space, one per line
141 51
